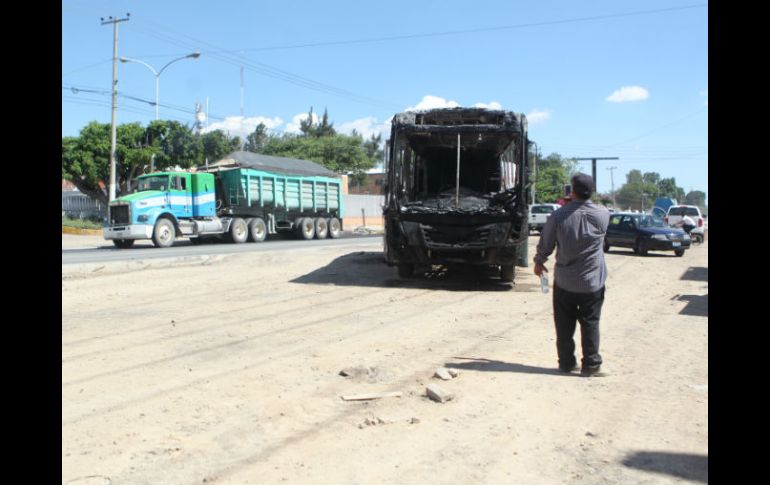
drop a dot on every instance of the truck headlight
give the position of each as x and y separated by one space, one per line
143 218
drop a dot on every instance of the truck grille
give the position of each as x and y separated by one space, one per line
455 236
119 215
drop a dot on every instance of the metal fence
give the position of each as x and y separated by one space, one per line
80 206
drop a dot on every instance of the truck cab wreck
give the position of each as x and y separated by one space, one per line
457 189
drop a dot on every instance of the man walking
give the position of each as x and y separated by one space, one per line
578 230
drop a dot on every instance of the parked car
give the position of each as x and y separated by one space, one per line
538 214
677 212
644 232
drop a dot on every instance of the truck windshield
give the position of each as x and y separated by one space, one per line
153 183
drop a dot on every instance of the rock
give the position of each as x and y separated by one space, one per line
442 373
454 372
438 394
414 421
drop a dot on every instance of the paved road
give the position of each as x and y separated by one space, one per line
145 250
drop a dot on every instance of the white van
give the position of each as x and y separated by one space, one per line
538 214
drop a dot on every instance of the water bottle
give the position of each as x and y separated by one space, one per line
543 283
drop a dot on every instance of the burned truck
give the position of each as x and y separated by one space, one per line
457 190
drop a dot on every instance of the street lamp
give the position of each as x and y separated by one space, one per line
157 74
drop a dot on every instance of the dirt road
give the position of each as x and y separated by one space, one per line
227 372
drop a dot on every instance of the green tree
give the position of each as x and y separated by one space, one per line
552 173
696 197
339 153
257 140
322 129
215 145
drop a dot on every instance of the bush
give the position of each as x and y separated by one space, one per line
87 223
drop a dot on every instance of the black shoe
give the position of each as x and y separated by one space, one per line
568 369
592 371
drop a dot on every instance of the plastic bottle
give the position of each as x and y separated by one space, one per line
543 283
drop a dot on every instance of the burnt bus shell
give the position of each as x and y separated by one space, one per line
428 218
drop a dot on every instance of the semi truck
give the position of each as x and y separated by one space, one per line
242 198
456 190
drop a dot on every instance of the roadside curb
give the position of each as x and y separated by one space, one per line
80 231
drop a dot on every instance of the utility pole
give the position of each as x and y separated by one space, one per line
612 181
114 22
593 166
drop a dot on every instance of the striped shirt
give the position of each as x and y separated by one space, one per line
578 230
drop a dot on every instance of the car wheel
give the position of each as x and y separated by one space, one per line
679 252
606 246
640 247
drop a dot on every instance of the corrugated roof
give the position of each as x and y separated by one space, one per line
269 163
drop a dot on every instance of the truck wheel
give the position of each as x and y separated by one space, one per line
257 230
239 232
335 228
679 252
164 234
507 272
306 228
123 243
321 228
405 270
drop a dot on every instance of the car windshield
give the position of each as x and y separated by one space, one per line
650 221
153 183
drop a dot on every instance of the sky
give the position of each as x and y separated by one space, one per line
595 78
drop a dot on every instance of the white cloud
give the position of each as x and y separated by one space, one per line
538 116
293 127
365 127
242 126
432 102
492 105
629 93
706 94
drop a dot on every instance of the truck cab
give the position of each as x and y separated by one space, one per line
159 207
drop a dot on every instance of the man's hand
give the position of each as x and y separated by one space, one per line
540 269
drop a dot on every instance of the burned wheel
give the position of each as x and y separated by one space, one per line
507 272
405 270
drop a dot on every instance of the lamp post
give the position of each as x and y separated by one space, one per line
157 74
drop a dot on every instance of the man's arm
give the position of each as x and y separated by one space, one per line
546 245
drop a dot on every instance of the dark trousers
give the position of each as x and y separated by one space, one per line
569 307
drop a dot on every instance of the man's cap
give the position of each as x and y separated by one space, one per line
583 185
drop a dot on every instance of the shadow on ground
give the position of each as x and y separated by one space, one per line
486 365
368 268
683 465
697 305
696 273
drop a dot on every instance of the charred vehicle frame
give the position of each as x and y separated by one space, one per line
457 190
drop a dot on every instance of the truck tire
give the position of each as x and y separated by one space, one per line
164 234
507 272
306 228
405 270
321 228
257 230
239 232
123 243
335 228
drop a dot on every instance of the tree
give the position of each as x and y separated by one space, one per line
215 145
552 173
696 197
339 153
257 140
324 128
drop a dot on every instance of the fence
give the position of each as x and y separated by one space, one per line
80 206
